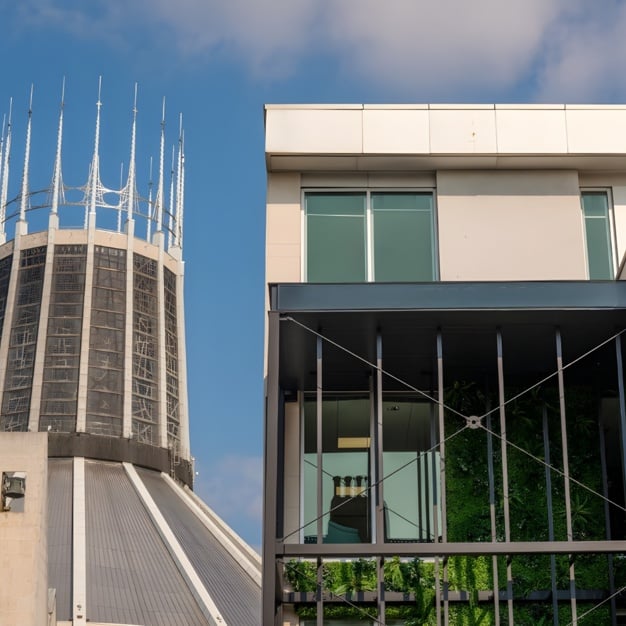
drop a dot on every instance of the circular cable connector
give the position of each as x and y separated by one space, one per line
473 421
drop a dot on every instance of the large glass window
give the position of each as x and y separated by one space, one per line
336 250
595 206
370 236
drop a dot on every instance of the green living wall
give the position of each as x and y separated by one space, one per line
469 495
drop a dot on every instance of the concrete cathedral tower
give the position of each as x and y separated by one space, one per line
92 353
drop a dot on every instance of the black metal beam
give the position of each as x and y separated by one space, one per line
450 548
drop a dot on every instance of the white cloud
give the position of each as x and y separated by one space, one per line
546 49
450 42
586 60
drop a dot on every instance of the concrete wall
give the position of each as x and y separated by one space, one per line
23 539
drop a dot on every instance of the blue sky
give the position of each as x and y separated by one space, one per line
218 62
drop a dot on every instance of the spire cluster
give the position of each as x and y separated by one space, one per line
159 215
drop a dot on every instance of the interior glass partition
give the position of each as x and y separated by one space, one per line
411 469
346 444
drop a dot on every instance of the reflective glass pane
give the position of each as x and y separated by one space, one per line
345 470
403 237
335 237
598 236
411 486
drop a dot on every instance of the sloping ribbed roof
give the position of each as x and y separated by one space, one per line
131 577
60 534
234 592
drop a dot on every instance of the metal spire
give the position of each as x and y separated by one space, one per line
170 220
24 199
4 123
131 186
179 189
159 196
181 217
94 173
4 185
57 183
150 211
119 206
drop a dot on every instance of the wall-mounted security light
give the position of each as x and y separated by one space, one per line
12 488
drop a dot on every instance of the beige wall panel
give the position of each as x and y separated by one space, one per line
325 131
364 180
330 179
282 266
283 229
396 132
410 180
596 130
531 132
510 226
602 179
462 131
283 223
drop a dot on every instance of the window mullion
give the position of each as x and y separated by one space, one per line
369 236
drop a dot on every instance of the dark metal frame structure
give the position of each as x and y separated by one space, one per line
373 337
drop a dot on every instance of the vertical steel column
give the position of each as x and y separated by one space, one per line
272 593
380 514
607 521
568 503
434 476
492 516
442 457
319 595
380 501
424 470
319 460
622 407
505 478
318 444
546 454
420 497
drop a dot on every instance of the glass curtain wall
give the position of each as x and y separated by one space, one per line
23 341
59 393
105 392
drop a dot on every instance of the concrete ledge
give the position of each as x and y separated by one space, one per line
117 449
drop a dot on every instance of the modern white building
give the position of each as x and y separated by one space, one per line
445 405
92 357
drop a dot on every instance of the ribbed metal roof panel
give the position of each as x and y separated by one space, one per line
131 577
236 595
60 534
